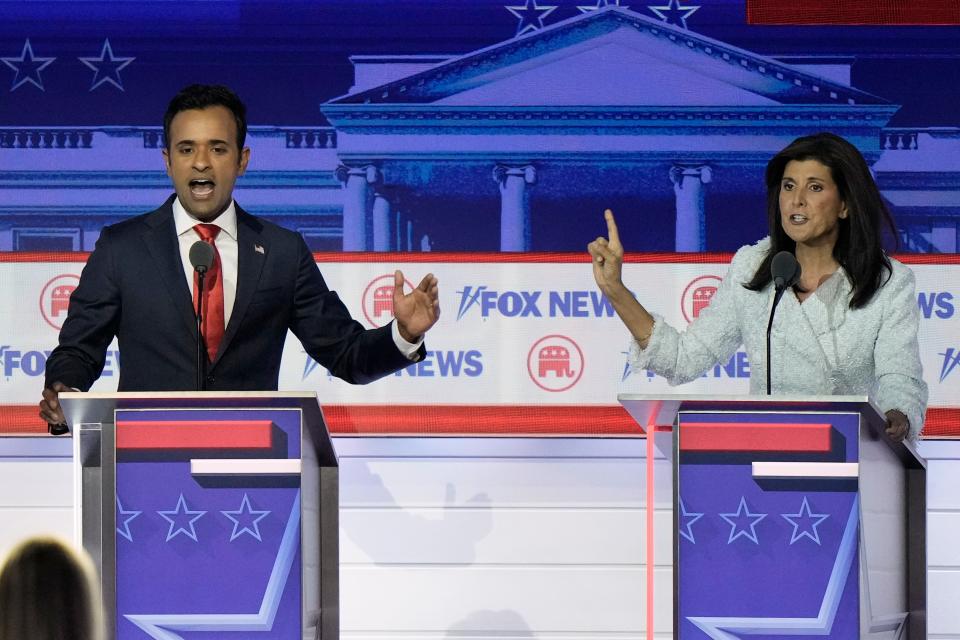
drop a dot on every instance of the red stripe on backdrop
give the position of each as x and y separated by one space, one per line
193 434
485 420
755 436
928 258
513 420
514 258
21 419
428 420
486 257
864 12
419 258
43 256
942 422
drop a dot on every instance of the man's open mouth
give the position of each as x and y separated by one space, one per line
201 188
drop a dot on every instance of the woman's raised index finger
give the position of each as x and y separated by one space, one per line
611 226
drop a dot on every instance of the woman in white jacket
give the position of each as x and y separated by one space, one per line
848 326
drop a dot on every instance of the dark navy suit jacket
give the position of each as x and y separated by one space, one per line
133 287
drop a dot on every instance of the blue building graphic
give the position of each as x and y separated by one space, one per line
518 145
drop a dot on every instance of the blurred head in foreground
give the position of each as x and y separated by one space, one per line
49 591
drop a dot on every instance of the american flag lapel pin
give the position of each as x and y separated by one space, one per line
259 249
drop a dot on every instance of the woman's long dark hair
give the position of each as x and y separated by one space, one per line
859 248
49 592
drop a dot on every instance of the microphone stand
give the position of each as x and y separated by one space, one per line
201 343
776 300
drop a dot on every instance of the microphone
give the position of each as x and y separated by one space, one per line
201 257
786 272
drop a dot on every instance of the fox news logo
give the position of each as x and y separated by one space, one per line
378 300
33 363
55 299
736 368
697 295
951 359
555 363
435 364
533 304
446 364
936 304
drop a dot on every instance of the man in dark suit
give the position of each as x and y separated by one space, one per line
139 281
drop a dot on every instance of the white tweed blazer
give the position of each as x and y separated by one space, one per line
819 347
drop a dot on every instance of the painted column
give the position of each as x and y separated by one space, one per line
356 183
688 181
382 218
515 231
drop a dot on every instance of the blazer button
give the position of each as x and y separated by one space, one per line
210 380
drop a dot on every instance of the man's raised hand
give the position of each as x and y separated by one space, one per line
418 310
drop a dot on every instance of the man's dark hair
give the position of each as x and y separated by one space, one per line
201 96
859 248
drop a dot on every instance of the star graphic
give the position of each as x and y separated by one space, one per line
531 15
820 625
127 516
178 512
601 4
742 519
248 514
673 13
808 530
107 67
685 529
162 626
28 66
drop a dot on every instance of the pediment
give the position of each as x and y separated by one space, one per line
613 71
611 57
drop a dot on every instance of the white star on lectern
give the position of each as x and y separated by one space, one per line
107 67
673 13
178 512
601 4
29 66
741 520
250 525
690 517
127 516
531 15
797 520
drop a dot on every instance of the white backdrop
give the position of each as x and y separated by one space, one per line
517 332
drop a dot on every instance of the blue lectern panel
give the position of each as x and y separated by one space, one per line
762 554
199 551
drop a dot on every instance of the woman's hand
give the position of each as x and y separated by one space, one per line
898 425
608 258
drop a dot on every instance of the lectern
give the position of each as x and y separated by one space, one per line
208 512
793 516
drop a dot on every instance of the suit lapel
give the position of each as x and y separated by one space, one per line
160 239
817 321
252 249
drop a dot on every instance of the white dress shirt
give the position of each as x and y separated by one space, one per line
226 243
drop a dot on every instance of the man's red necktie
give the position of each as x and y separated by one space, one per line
213 324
